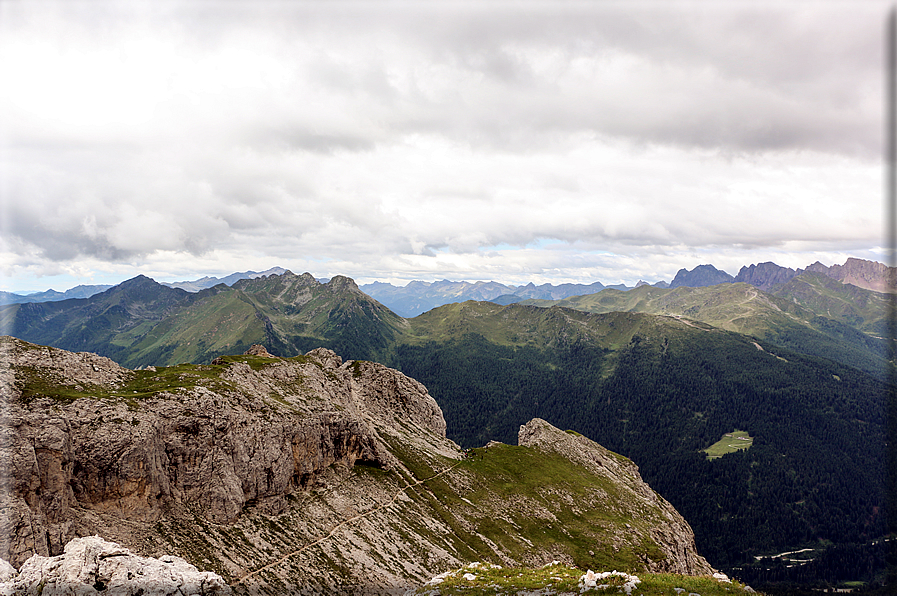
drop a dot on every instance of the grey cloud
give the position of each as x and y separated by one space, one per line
286 138
489 115
739 78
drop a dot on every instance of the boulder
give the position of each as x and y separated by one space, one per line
92 565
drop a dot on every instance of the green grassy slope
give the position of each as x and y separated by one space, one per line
141 322
862 309
811 314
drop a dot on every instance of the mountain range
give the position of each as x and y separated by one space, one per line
417 297
655 374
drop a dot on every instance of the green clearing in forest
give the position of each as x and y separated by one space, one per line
730 443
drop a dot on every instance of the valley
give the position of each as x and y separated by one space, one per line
655 374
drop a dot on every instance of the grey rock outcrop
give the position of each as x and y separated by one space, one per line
91 565
138 454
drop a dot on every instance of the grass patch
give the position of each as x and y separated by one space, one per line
730 443
482 580
36 382
559 506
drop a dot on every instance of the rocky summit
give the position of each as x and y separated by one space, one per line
276 474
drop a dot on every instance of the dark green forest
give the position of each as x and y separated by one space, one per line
813 477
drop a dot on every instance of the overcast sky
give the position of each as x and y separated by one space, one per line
512 141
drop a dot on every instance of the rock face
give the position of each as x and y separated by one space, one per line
700 276
281 473
765 275
667 528
138 454
861 273
92 565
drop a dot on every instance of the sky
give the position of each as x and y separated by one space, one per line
519 141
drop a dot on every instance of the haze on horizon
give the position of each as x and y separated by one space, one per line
393 141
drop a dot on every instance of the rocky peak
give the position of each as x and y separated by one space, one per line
765 275
258 350
87 438
340 283
865 274
700 276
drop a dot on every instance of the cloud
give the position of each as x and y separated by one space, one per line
404 138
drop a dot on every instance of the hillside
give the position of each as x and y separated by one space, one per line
141 322
659 388
307 471
811 313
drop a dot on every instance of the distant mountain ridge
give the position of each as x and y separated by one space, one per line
869 275
208 282
52 295
418 297
87 291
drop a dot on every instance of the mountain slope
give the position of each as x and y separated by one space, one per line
141 322
863 309
95 324
660 389
811 314
305 472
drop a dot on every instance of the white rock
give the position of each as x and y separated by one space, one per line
7 571
92 565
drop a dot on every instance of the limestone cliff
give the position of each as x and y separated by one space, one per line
305 471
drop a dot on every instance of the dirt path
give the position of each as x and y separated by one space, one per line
686 322
344 523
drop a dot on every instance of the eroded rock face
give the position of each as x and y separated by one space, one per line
765 275
92 565
666 527
227 436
